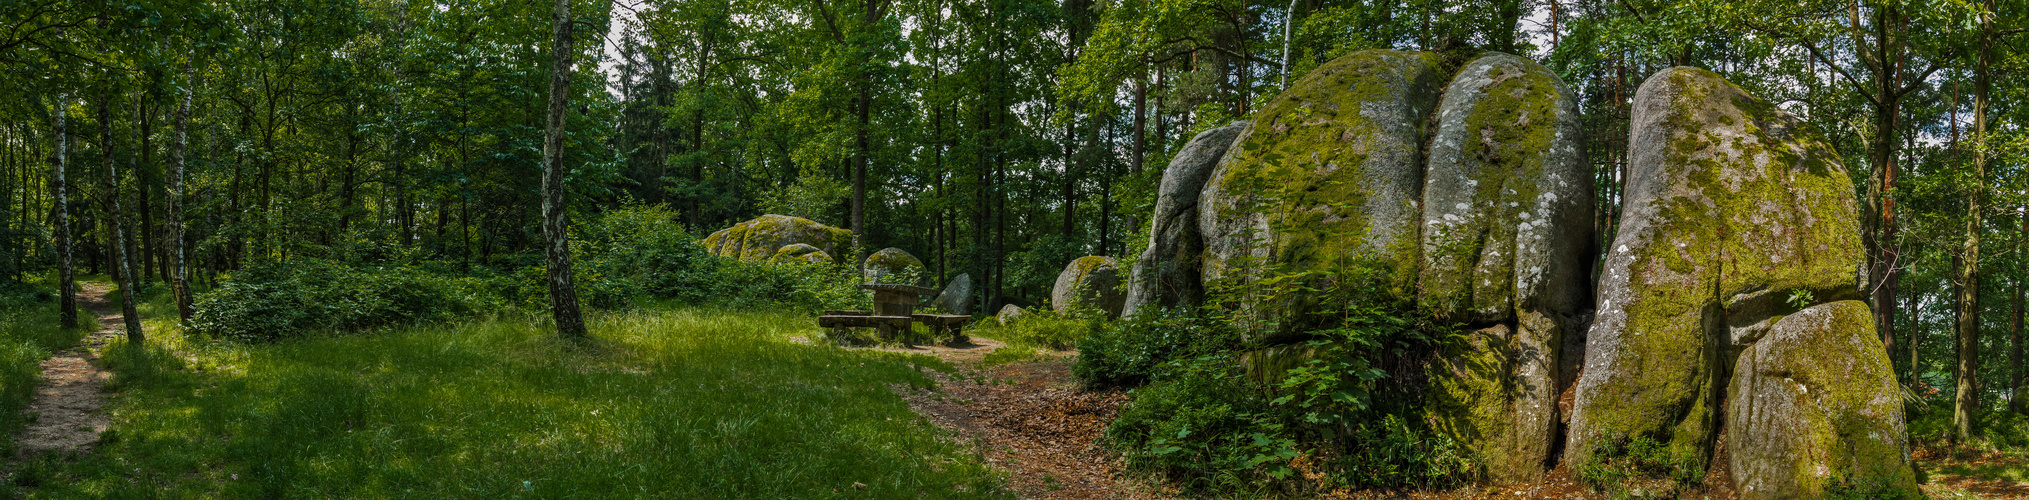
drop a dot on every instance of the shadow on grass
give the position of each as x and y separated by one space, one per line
670 404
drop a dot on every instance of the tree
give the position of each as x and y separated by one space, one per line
555 226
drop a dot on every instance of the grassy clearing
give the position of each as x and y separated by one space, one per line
683 403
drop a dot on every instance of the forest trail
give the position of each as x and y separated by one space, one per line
1028 418
66 414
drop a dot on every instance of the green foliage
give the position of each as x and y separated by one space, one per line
277 300
1041 328
1130 352
1640 467
676 403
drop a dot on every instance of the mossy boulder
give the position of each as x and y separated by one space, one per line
1814 405
1089 282
1735 214
894 265
1167 274
1507 197
1327 176
1008 314
801 252
1507 226
760 239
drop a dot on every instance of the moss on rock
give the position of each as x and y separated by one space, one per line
1089 282
1814 405
760 239
894 265
801 252
1327 174
1731 204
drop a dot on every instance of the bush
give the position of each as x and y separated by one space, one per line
642 251
1042 328
1128 352
276 300
1204 426
1640 467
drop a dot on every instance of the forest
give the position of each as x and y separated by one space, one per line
316 217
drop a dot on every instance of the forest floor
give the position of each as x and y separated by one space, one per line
1028 417
66 416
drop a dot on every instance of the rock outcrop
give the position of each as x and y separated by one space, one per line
1328 175
1089 282
1812 405
1507 224
1739 238
894 265
956 297
760 239
1168 272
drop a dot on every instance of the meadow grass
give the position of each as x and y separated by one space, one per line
664 403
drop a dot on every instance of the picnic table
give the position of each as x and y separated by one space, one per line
894 310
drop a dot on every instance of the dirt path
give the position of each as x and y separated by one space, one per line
1028 418
65 416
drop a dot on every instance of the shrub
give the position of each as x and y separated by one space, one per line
1128 352
275 300
1202 425
1640 467
1042 328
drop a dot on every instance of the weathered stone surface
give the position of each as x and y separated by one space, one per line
1167 274
758 239
1327 176
1814 404
957 296
1507 215
802 252
1507 225
1008 314
1091 281
1732 208
890 265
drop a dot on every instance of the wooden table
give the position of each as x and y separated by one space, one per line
894 310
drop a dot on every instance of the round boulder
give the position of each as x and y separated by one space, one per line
801 252
893 265
1328 176
1089 282
760 239
957 296
1814 405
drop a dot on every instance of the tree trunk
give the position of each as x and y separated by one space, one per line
172 198
1969 274
66 281
2015 399
125 262
555 227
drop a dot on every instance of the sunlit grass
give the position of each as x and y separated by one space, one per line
673 403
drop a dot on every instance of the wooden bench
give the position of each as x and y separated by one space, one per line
886 325
941 324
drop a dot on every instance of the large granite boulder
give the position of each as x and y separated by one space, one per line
894 265
1736 213
1167 274
1089 282
1814 404
1008 314
760 239
1507 229
801 252
1327 177
956 297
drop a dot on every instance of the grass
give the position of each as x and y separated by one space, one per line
29 332
672 403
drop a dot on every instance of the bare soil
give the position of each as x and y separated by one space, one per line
1027 418
66 415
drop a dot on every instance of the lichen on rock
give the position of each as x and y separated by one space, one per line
801 252
1168 272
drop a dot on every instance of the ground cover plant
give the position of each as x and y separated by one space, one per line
29 332
668 403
